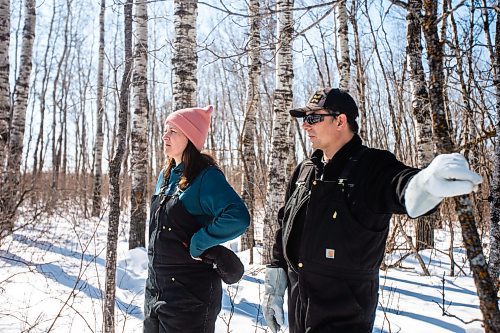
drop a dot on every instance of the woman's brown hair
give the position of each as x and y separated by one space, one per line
194 162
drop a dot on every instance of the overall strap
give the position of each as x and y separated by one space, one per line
305 174
164 183
163 187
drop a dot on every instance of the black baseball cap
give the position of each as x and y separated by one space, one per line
333 99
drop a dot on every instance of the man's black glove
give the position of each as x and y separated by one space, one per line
225 262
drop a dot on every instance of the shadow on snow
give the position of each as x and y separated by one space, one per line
57 274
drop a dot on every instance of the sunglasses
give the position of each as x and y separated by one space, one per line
314 118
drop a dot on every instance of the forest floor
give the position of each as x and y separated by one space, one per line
52 275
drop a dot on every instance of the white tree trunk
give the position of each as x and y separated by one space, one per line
185 58
420 97
99 139
16 137
420 105
280 141
139 149
249 125
4 81
360 75
343 31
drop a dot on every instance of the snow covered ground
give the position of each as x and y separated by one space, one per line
52 279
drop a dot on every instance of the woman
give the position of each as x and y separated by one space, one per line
194 209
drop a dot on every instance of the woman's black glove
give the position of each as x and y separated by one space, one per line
225 262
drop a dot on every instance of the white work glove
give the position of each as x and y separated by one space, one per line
448 175
275 285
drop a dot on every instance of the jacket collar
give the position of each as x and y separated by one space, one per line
178 168
332 169
343 153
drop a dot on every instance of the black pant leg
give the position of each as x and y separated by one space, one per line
151 325
340 305
296 307
192 303
151 322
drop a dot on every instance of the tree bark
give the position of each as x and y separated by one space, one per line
99 137
360 74
185 58
424 227
139 149
249 125
283 97
12 191
343 35
114 174
4 83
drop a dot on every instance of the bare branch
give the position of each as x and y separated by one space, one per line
269 11
450 11
400 3
301 33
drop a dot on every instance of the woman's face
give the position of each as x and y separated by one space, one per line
174 142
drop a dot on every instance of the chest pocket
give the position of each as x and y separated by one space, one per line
333 233
331 237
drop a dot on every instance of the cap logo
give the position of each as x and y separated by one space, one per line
318 99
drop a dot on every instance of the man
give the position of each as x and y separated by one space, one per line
335 221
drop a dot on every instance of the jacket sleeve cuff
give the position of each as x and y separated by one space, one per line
194 250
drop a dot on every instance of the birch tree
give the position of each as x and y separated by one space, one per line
4 83
360 73
343 35
488 300
99 138
114 173
140 101
11 192
421 111
184 58
282 102
249 125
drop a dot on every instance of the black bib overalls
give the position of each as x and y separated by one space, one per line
182 294
333 284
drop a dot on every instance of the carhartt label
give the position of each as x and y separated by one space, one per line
330 253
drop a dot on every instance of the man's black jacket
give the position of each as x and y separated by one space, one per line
374 191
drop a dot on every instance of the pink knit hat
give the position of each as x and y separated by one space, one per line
193 122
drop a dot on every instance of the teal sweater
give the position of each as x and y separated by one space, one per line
213 203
